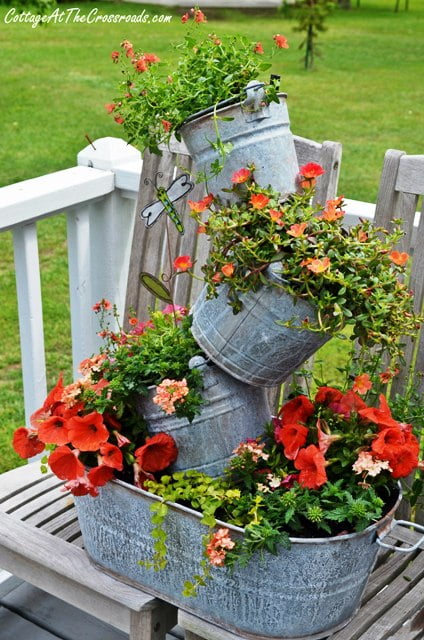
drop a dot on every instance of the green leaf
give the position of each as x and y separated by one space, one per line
155 286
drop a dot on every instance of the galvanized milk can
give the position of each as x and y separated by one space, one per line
231 412
250 345
260 134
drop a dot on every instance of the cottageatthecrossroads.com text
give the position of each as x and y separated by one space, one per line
74 14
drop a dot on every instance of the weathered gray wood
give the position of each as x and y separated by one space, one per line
13 627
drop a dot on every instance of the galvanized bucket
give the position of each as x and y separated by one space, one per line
309 591
231 413
250 345
259 134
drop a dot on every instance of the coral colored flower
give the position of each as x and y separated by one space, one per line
311 464
228 269
297 230
115 56
258 48
362 384
242 175
311 170
98 476
325 437
253 448
157 454
119 119
199 16
120 439
386 440
331 212
103 304
88 432
140 64
54 430
111 456
366 463
151 58
133 322
319 265
168 392
65 464
399 258
280 41
26 443
110 107
166 125
387 375
298 409
403 462
217 547
276 215
201 205
185 18
182 263
217 277
201 229
292 437
349 403
258 200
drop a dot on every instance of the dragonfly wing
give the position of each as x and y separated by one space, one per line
152 212
179 188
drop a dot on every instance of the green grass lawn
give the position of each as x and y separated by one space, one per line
366 92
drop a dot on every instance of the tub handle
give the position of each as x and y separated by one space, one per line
254 105
402 523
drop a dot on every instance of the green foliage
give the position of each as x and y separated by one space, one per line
347 275
155 102
311 16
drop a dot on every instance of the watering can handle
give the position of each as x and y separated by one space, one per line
401 523
254 106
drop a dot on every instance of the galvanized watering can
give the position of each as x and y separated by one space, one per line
307 592
250 345
231 413
260 134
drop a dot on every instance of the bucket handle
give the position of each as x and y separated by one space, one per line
402 523
254 105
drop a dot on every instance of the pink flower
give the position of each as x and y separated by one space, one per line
168 392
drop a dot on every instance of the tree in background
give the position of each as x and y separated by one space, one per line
311 16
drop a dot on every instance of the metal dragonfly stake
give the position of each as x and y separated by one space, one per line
166 198
151 213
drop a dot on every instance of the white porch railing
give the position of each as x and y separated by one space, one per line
98 197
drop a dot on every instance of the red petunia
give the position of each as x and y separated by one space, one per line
111 456
26 443
81 487
381 416
311 464
88 432
298 409
158 453
349 403
53 399
386 440
326 395
98 476
54 430
65 464
404 461
292 437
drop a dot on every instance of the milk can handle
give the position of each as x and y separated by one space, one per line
401 523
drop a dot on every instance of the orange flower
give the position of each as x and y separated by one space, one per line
53 431
387 375
185 18
199 16
228 269
217 277
399 258
258 200
362 384
311 170
26 443
140 64
183 263
88 432
258 48
362 236
166 125
201 228
319 265
158 453
110 107
115 56
240 176
297 230
151 58
119 119
331 212
201 205
275 216
280 41
133 321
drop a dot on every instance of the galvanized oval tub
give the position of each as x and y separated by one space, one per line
307 592
250 345
231 412
259 134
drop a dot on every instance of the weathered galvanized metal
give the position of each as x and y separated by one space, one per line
260 135
250 345
231 413
309 591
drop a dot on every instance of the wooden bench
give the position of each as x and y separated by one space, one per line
40 542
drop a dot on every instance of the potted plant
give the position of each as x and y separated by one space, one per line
288 535
283 276
148 400
204 100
